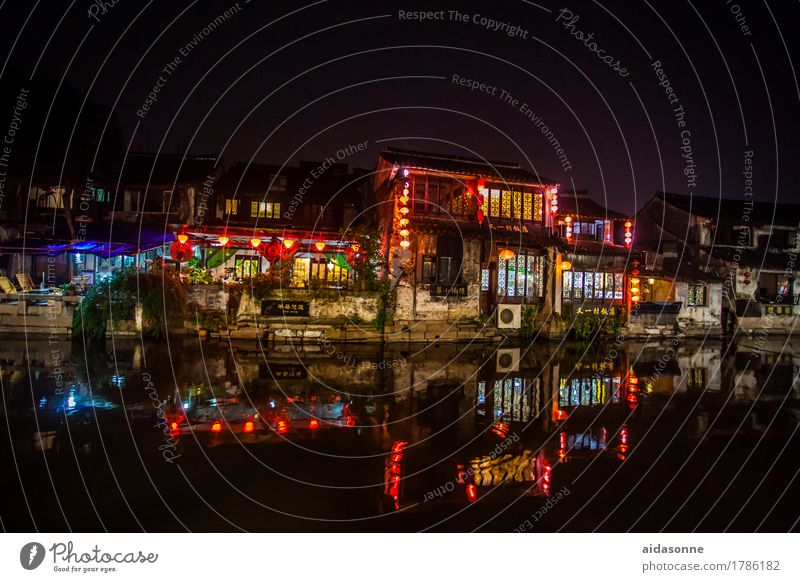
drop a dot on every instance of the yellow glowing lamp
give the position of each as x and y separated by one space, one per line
635 290
320 245
404 232
223 240
404 210
405 191
182 238
506 254
404 199
405 244
635 299
628 224
568 219
288 243
635 280
255 242
403 221
566 265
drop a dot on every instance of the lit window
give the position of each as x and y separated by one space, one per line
265 209
484 279
231 206
697 296
521 276
590 285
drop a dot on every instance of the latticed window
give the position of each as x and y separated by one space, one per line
484 279
584 285
697 295
517 205
522 276
265 209
231 206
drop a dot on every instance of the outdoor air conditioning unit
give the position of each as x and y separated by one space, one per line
507 360
509 316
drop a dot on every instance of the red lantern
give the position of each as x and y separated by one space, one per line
181 252
480 216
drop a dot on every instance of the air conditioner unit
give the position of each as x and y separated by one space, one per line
507 360
509 316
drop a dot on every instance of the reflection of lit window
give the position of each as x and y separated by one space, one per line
482 392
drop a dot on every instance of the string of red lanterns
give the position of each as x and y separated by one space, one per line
404 210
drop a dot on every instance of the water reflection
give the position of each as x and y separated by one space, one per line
402 431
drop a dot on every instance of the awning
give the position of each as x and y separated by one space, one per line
98 239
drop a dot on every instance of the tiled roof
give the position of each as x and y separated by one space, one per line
731 211
166 169
457 165
578 203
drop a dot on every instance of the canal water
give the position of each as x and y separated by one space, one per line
193 435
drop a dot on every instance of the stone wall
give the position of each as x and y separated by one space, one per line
699 320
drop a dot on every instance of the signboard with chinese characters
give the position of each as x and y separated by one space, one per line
454 290
287 308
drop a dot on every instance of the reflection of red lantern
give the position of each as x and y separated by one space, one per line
180 252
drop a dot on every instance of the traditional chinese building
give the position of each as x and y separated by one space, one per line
742 253
597 246
465 239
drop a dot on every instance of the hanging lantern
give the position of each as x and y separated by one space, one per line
506 254
223 240
566 265
480 215
404 210
288 243
255 242
554 191
404 199
405 244
403 221
180 252
404 232
481 184
182 238
320 245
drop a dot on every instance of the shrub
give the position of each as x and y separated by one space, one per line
160 295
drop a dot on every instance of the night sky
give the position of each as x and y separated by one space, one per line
278 81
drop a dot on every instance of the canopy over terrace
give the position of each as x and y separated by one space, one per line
103 240
315 258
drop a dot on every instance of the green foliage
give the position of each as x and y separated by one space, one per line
368 259
160 294
261 285
528 327
589 325
196 274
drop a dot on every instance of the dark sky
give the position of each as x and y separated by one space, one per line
295 81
